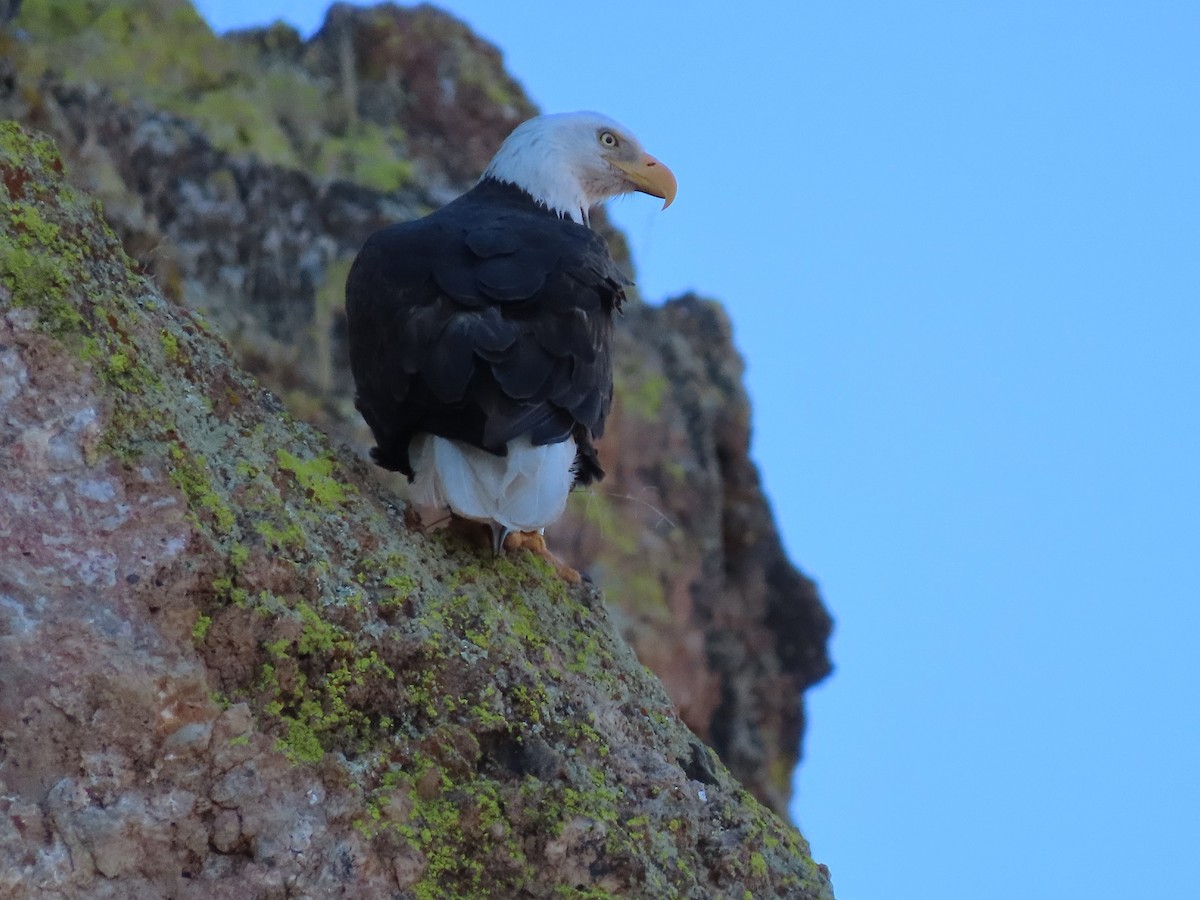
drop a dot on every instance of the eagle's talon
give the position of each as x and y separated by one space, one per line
535 543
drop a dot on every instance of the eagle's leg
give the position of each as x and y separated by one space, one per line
499 533
535 542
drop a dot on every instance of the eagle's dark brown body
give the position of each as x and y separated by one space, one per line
482 322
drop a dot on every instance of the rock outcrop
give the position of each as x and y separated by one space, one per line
244 172
229 667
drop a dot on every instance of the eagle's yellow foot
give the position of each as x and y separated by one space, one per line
535 542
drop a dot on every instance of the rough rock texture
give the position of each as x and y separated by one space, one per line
243 174
229 668
681 532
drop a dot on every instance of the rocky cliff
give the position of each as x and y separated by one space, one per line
230 668
242 174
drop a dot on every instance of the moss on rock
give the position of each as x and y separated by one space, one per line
163 53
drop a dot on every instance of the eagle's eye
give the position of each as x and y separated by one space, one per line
608 139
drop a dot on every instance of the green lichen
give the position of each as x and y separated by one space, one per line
301 745
452 825
154 49
368 154
191 475
31 229
238 554
37 281
598 509
233 120
582 892
641 394
315 476
200 629
39 264
162 53
288 537
758 864
170 347
19 149
675 470
402 585
314 670
51 241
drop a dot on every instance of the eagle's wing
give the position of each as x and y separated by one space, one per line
487 320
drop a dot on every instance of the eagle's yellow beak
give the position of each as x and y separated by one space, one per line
650 176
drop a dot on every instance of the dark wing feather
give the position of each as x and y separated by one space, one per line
487 320
509 278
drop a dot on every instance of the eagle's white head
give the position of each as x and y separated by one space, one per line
572 161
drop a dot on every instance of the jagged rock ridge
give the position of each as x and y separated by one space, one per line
253 220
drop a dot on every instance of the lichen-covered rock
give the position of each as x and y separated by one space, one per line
253 220
681 532
230 668
425 72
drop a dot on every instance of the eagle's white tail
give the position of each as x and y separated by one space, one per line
523 491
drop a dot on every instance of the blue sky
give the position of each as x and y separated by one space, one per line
960 244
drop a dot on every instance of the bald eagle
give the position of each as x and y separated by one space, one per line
481 335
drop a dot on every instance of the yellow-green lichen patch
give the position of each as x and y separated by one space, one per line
200 629
161 374
635 562
161 52
51 245
233 119
170 347
37 281
450 825
758 864
640 393
315 476
599 510
301 744
190 474
317 680
289 537
402 587
41 260
154 49
370 155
